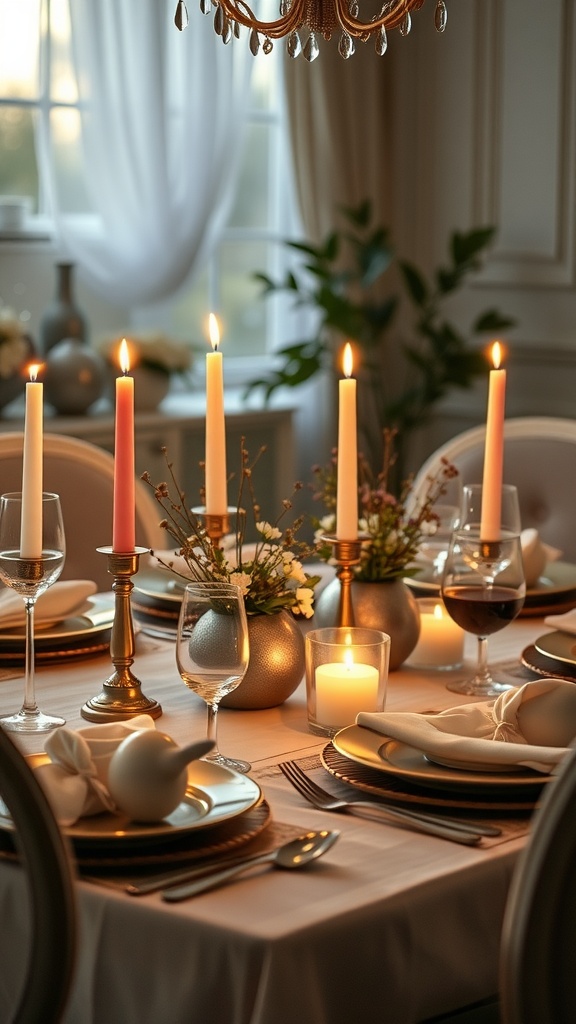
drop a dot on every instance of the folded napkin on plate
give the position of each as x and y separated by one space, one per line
509 730
67 597
535 555
566 622
76 779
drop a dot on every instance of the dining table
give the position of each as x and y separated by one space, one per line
391 924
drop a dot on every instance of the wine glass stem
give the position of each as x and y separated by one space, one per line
29 707
482 673
212 730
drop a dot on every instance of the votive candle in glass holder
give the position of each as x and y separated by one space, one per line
346 672
441 642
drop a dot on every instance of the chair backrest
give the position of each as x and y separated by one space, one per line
83 475
51 882
537 975
539 458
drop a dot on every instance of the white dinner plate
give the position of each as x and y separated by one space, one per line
557 585
558 645
406 762
72 636
215 794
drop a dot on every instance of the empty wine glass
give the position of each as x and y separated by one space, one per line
483 585
433 548
30 576
212 650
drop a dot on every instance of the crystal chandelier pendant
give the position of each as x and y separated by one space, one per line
293 45
181 16
311 48
346 46
440 16
381 41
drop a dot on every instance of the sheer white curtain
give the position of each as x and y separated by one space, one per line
162 116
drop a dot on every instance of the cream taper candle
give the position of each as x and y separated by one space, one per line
215 450
347 475
494 450
32 484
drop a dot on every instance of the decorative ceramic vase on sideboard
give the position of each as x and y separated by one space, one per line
62 318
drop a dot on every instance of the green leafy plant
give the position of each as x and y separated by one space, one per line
342 280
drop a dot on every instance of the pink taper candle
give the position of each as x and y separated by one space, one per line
124 518
347 477
215 451
31 521
494 450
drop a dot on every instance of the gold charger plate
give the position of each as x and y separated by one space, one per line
398 791
71 637
411 765
557 586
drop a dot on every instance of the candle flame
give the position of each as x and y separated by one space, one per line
124 356
437 611
348 659
497 353
347 360
34 370
214 332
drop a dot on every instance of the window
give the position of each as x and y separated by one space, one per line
37 86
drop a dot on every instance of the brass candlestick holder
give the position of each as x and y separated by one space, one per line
346 554
217 525
121 695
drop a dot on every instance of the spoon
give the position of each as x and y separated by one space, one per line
295 854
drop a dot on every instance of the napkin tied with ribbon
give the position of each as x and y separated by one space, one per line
489 732
64 598
75 780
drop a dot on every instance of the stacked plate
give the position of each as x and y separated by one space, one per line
221 810
156 601
553 654
75 637
386 767
555 590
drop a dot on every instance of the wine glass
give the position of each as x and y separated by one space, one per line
212 650
483 585
30 576
447 511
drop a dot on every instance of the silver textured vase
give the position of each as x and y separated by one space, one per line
389 606
277 660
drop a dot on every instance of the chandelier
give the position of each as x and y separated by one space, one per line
317 18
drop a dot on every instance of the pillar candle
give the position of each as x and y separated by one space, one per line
215 451
494 451
347 475
343 689
441 640
124 517
31 521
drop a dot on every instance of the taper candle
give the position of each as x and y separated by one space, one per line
124 516
215 445
494 450
347 475
31 521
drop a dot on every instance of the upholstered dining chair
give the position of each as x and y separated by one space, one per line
83 475
539 458
537 976
51 901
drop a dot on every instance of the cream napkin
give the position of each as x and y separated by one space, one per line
566 622
535 555
76 779
67 597
491 732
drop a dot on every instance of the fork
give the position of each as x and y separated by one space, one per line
445 828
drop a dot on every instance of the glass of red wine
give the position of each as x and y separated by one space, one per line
483 585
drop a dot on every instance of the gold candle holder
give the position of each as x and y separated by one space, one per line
121 695
346 554
217 525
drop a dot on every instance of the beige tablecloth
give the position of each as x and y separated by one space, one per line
390 925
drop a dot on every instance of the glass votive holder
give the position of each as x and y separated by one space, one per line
441 642
346 672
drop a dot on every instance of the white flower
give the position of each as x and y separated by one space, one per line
268 532
293 570
242 580
304 598
327 525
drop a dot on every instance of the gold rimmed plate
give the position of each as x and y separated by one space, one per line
215 795
556 587
71 637
558 645
413 766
